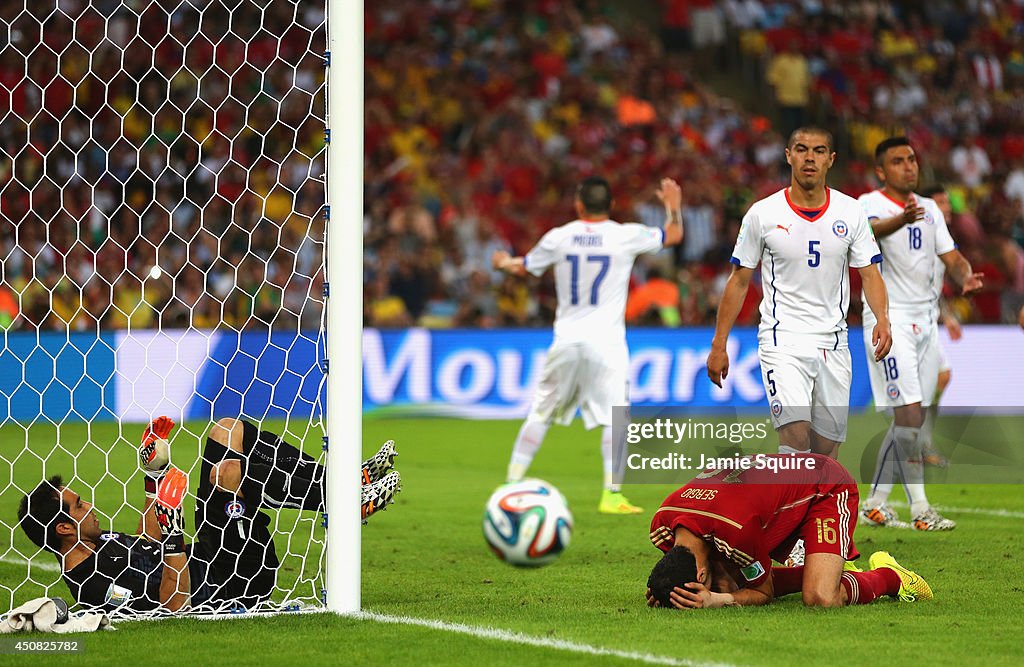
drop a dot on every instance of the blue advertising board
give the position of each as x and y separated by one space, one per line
487 374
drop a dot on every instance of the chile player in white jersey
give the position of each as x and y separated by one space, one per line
805 237
588 363
912 232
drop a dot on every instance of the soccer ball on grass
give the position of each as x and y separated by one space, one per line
527 523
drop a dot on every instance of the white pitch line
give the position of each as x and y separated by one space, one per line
979 510
528 640
36 565
1009 514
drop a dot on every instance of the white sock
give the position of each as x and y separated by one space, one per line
531 436
885 470
612 467
908 443
786 449
927 428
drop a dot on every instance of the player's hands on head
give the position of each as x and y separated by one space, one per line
670 194
973 283
881 338
694 595
718 365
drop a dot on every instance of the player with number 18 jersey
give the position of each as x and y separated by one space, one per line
909 272
912 232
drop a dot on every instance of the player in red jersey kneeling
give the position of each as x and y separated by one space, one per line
721 531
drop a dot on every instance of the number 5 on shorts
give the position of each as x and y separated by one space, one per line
771 382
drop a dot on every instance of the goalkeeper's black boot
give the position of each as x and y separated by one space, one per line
378 465
380 494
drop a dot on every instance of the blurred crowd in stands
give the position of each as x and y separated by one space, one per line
161 164
481 116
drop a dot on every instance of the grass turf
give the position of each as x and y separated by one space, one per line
426 558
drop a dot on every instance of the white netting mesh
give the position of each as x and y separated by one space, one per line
162 198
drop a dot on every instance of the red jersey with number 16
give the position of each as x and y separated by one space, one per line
753 515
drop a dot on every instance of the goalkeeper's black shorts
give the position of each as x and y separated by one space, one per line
233 540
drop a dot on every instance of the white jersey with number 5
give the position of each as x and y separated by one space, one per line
593 262
909 253
805 257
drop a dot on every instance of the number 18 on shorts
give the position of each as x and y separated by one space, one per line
909 373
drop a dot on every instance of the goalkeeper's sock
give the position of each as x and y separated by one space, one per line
866 587
911 461
885 470
530 438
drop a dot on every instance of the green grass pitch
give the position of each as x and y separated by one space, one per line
426 558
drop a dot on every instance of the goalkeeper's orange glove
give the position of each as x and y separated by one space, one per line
170 497
154 453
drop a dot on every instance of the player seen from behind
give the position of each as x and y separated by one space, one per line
588 362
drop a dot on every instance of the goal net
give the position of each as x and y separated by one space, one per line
163 200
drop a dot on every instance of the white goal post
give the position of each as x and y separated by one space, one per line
181 234
345 301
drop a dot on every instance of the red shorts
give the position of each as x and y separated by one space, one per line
828 528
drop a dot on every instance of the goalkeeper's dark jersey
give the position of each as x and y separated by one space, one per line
124 573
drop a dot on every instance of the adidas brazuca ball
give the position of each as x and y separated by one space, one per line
527 523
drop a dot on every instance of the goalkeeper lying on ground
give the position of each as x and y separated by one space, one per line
231 562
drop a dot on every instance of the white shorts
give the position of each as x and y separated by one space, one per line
808 384
910 371
578 375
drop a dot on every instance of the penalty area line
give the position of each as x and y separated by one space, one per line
511 637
